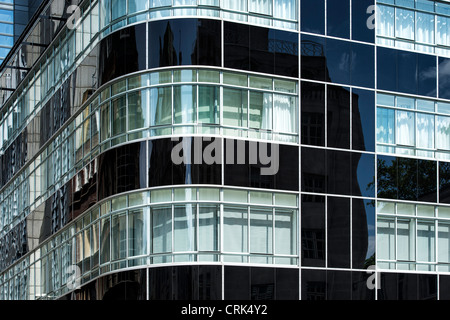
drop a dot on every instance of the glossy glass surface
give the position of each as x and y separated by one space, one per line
363 120
338 18
338 232
312 16
363 233
313 230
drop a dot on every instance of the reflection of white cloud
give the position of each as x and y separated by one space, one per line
344 64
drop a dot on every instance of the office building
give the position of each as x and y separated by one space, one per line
221 149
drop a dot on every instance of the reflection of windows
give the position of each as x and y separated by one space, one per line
313 244
314 183
313 128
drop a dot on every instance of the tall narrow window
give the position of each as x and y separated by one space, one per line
404 24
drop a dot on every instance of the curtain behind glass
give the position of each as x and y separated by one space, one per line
235 229
444 243
443 31
260 6
405 128
386 21
284 113
285 9
234 5
443 132
425 131
385 125
404 24
425 28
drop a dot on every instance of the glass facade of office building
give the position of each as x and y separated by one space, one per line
215 149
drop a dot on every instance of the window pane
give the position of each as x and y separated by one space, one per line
161 220
104 122
385 125
285 9
184 100
208 233
405 128
235 105
443 31
404 23
137 110
137 233
425 27
118 8
208 104
386 21
284 109
235 229
105 241
185 228
405 240
160 106
260 110
425 241
442 132
386 239
261 6
425 131
119 114
261 231
285 232
137 5
444 242
119 240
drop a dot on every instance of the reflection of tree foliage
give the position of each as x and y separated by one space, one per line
407 179
370 261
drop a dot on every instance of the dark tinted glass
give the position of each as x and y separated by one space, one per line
339 172
314 284
444 182
160 283
262 285
363 174
444 78
444 287
386 69
338 18
236 46
314 63
313 16
313 230
210 283
407 178
427 287
237 283
360 290
388 286
313 113
362 65
363 22
338 60
387 177
209 48
286 284
127 285
286 53
122 52
407 286
363 233
338 232
363 120
262 56
314 170
339 285
407 72
338 117
185 283
426 181
426 75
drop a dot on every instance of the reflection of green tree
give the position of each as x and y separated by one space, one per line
404 178
370 261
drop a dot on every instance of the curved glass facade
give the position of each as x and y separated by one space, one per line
189 144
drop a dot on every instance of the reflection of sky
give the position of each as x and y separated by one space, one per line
370 214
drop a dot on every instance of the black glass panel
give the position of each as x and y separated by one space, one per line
407 286
388 289
313 230
444 182
363 174
444 287
184 42
426 181
386 69
339 175
363 120
363 233
262 56
237 283
363 20
313 16
122 52
313 113
426 75
407 72
338 117
128 285
427 287
286 53
338 232
314 284
286 284
362 65
236 46
160 283
444 78
339 285
210 283
387 177
338 18
314 170
407 179
360 290
314 62
185 283
338 60
122 169
262 285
